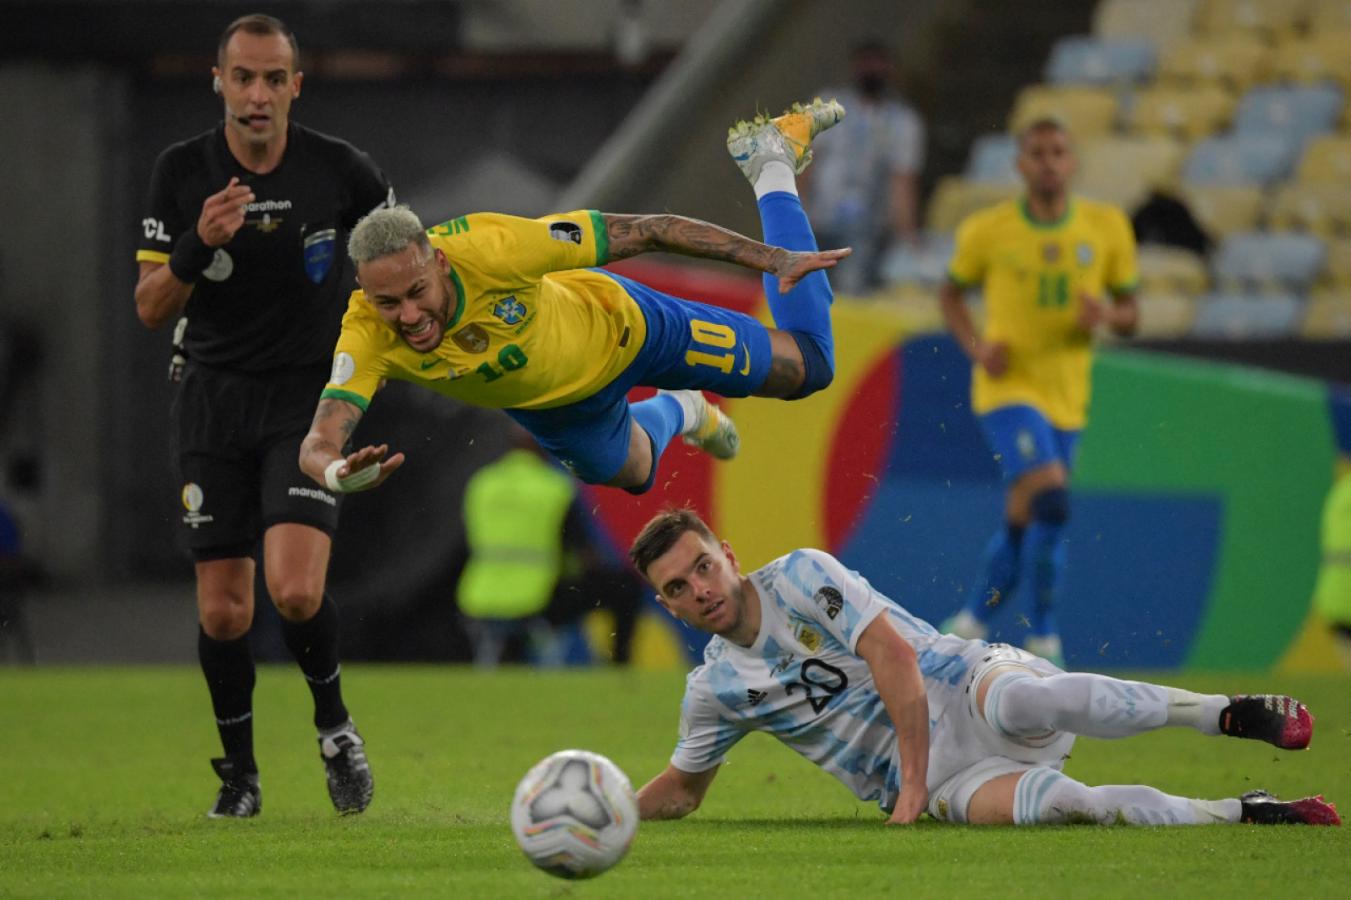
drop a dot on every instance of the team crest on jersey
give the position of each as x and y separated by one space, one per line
568 232
831 600
1083 252
808 637
319 254
471 339
509 310
1050 252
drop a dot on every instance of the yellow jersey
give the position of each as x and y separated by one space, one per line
1034 276
530 327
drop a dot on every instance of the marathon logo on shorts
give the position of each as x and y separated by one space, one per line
312 494
193 498
831 600
319 253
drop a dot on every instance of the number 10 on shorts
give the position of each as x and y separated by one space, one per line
717 336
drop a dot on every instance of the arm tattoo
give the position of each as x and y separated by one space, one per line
631 235
785 377
347 416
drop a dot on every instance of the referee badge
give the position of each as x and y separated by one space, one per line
319 253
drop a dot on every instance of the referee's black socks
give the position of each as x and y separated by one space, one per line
314 644
228 667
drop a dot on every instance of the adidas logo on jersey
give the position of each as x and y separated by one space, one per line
755 696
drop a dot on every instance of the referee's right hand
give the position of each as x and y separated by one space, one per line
223 213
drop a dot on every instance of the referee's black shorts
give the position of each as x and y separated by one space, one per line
236 440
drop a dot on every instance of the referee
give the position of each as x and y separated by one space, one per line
242 237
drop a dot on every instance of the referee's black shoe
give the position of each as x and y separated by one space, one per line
350 785
239 797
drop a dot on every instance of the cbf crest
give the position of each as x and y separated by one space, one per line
509 310
319 252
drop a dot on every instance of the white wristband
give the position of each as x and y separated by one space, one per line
348 483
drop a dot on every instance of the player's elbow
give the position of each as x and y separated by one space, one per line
151 316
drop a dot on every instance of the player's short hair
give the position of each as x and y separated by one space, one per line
661 533
386 231
1040 124
259 24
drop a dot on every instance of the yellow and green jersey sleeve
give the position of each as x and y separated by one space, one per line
519 251
1034 277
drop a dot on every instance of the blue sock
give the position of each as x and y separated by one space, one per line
806 308
662 418
1045 562
999 567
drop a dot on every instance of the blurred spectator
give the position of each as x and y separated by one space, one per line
17 574
532 567
1165 219
863 191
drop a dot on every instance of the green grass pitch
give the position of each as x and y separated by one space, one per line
104 781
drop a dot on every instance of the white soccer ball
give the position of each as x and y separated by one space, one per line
574 814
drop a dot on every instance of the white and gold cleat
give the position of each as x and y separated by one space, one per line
711 429
786 138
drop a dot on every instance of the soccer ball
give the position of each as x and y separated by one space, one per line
574 814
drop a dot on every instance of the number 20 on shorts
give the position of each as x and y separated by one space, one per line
717 336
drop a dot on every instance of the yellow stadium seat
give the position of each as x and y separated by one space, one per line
1124 170
955 198
1236 61
1326 161
1085 111
1327 316
1324 209
1328 15
1171 270
1322 57
1223 210
1161 21
1165 315
1270 18
1337 266
1188 113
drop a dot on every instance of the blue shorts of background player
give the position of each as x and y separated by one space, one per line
1021 438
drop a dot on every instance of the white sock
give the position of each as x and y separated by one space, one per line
1077 702
1045 796
688 401
1199 711
775 176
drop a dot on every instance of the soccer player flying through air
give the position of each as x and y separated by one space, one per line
511 313
806 650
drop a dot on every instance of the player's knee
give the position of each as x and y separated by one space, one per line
1051 506
818 364
296 602
225 621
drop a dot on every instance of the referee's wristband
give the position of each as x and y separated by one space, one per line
191 255
357 481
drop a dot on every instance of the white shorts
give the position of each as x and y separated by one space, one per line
965 752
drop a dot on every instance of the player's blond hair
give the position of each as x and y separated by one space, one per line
386 231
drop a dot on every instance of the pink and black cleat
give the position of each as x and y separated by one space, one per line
1274 718
1261 808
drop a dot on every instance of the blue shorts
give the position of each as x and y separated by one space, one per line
1021 439
688 345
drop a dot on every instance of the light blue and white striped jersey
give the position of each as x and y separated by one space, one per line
803 682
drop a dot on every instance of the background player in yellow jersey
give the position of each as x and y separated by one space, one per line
510 313
1046 262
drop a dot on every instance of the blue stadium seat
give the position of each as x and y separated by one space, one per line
926 264
1260 260
1245 317
1087 60
1242 159
1301 111
992 159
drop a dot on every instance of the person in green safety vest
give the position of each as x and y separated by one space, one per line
1332 595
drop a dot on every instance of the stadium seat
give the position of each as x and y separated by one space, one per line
1337 267
1161 21
1165 315
1256 260
1327 317
956 198
1124 170
992 159
1324 209
1267 18
1246 317
1171 270
1320 58
1300 111
1235 61
1241 159
1085 111
1328 15
925 264
1327 160
1188 113
1096 61
1223 210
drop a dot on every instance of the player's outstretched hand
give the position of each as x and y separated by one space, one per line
993 357
366 468
909 805
796 265
223 213
1092 312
